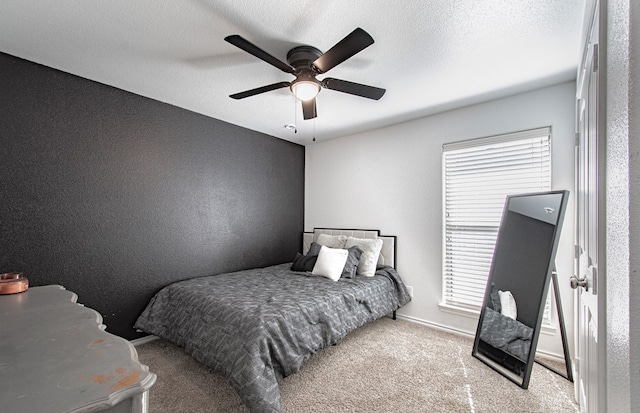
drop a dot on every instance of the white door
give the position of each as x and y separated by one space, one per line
585 279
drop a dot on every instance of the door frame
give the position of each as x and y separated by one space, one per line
594 20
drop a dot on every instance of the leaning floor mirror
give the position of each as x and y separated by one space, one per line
518 282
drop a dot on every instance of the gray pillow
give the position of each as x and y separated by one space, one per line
353 259
495 299
306 263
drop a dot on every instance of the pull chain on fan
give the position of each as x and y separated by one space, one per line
314 130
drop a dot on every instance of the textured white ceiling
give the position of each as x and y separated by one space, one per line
430 55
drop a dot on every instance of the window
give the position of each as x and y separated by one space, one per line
478 175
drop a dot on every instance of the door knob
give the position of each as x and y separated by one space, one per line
576 282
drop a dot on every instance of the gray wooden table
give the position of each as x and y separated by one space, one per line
56 357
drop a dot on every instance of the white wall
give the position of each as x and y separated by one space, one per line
619 306
390 179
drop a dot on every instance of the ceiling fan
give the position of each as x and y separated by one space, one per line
305 63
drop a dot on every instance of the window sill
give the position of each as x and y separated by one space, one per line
465 312
548 329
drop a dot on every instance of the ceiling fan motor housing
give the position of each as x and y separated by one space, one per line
301 57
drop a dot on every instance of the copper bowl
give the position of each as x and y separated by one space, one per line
12 283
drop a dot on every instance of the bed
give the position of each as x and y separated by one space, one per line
258 326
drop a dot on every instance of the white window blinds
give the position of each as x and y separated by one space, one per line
478 175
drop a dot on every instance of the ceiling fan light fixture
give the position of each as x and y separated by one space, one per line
305 89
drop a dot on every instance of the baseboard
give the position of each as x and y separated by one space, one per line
436 326
550 356
447 329
144 340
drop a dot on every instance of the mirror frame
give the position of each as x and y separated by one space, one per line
480 346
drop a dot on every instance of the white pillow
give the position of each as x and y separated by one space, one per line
508 304
370 252
332 241
330 262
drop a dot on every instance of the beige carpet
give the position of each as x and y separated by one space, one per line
386 366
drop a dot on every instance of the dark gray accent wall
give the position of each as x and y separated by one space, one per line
114 195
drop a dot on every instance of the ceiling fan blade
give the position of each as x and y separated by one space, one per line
309 109
370 92
353 43
259 90
251 48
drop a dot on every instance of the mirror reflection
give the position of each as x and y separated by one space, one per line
518 282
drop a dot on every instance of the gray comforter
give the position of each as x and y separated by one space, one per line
506 334
258 326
